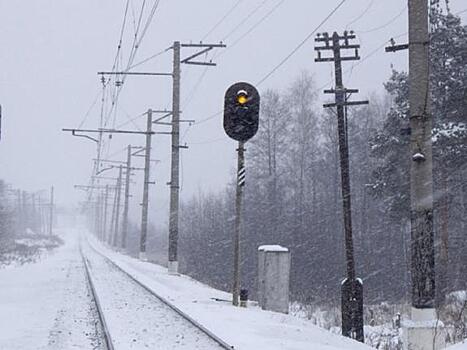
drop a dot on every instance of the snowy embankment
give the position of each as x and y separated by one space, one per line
244 328
46 305
460 346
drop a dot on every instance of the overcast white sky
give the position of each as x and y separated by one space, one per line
51 50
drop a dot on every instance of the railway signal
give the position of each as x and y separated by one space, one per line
241 111
241 119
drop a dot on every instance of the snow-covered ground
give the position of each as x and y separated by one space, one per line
46 304
460 346
244 328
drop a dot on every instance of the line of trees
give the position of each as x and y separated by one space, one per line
293 198
21 212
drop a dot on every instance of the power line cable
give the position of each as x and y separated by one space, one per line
136 44
361 15
391 21
366 57
93 104
148 59
253 27
222 19
122 30
286 58
130 120
244 20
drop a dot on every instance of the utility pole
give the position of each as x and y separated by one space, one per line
25 209
128 168
145 204
40 213
101 209
34 213
352 288
423 332
110 240
174 172
127 198
51 212
106 200
175 152
421 178
117 209
20 219
100 203
101 125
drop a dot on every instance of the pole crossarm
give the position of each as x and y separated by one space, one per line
105 169
110 161
109 131
104 177
344 90
203 45
394 48
73 133
136 153
205 49
351 103
135 73
88 187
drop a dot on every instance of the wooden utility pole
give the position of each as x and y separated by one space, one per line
421 178
238 220
145 204
175 152
127 199
51 212
352 288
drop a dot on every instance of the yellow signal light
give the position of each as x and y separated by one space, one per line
242 97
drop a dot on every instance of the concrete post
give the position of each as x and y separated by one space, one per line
423 331
274 276
175 164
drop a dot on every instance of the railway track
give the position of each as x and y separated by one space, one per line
105 331
133 316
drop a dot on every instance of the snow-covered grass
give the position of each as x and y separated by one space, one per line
454 316
27 248
380 330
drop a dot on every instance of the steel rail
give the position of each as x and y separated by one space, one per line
185 316
107 337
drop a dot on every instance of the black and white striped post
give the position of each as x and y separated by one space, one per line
241 119
241 176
